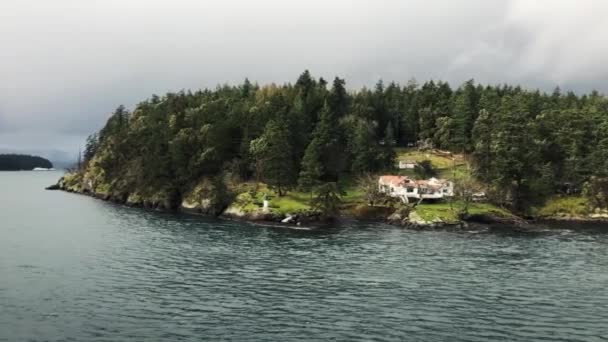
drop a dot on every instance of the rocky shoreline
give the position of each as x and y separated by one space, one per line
300 220
310 219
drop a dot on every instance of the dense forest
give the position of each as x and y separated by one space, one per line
523 145
18 162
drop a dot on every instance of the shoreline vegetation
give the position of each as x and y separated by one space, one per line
312 152
294 213
247 205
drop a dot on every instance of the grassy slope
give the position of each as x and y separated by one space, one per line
564 206
445 166
251 198
558 206
296 201
447 212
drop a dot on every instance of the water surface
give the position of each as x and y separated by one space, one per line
73 268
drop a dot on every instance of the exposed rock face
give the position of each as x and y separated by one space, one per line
235 212
202 206
134 200
413 220
396 218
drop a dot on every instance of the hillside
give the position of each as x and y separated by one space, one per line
305 145
19 162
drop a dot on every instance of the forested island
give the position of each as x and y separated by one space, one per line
313 149
21 162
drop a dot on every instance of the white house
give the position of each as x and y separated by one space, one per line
405 188
407 164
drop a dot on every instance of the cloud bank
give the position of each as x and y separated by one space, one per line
65 64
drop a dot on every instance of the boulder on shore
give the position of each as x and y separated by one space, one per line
55 186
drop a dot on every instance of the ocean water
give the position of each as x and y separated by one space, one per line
73 268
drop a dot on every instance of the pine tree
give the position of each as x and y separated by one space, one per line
389 135
273 154
427 125
364 148
338 98
444 134
515 153
482 146
91 147
324 157
328 199
464 113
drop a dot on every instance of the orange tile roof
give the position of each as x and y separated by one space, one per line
394 180
403 180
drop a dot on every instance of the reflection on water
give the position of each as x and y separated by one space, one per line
74 268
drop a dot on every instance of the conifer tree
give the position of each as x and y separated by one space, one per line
323 158
273 154
482 146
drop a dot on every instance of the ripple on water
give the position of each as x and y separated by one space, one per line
135 275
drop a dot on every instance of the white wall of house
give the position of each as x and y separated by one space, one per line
438 189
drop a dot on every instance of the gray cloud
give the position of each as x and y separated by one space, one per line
65 64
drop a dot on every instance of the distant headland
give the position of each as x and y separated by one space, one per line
23 162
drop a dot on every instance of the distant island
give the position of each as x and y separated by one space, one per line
313 149
23 162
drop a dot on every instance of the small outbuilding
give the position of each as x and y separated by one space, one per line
407 164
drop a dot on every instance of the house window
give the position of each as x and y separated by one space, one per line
410 189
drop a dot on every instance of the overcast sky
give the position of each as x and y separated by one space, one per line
65 64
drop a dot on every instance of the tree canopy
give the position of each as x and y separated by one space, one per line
525 144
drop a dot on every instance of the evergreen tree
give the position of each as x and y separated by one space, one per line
273 154
428 124
338 98
482 146
91 147
443 136
525 145
463 117
324 157
328 199
515 154
364 148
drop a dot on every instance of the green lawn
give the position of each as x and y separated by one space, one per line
250 197
438 161
445 166
449 212
459 171
352 192
292 202
252 194
563 206
437 211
